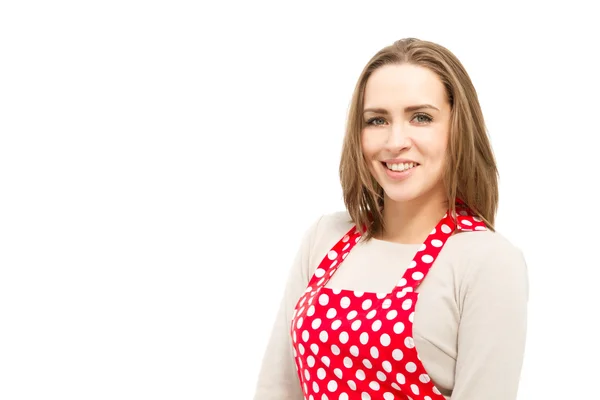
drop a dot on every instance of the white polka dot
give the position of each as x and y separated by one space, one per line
480 228
392 314
374 385
306 375
345 238
367 304
423 247
414 388
323 336
411 317
464 221
395 386
409 342
365 396
435 390
343 396
371 314
331 313
301 348
356 325
424 378
376 325
335 291
346 247
352 314
381 295
412 264
306 390
320 282
319 272
387 366
310 360
345 302
352 384
321 373
427 259
374 352
427 397
332 386
316 323
358 294
336 324
398 327
344 256
294 335
388 396
335 350
347 362
417 276
305 336
315 348
411 367
386 303
315 387
299 323
406 304
367 364
323 299
324 397
433 232
344 337
436 243
338 373
360 375
397 354
354 351
402 282
364 337
400 378
445 229
385 339
381 376
332 255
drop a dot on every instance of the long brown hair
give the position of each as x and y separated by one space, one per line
470 173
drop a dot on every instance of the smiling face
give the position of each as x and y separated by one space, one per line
405 134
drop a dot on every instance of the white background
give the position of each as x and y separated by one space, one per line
160 161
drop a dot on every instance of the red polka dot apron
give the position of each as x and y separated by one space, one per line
351 345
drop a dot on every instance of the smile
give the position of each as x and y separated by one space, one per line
401 166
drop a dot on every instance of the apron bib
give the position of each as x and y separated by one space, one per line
351 345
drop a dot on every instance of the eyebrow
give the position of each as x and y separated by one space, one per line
407 109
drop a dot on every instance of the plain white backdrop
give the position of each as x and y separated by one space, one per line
160 161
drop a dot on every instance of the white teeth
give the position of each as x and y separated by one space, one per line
401 167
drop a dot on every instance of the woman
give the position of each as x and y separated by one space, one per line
410 293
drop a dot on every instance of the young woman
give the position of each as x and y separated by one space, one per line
410 293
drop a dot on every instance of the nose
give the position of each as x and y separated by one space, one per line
397 138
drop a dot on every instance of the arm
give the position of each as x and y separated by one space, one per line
278 378
493 324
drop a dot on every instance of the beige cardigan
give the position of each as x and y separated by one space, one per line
470 321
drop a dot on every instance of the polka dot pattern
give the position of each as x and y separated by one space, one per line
359 345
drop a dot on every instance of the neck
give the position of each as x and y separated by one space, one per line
411 222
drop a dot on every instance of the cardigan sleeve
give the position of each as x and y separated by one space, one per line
493 325
278 378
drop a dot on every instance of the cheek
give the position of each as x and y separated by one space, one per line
369 147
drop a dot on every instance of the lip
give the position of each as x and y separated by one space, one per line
399 175
399 161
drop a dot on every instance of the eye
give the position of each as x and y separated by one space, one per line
422 119
376 121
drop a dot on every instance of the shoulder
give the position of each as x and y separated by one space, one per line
324 233
489 256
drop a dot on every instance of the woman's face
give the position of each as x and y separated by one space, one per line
406 128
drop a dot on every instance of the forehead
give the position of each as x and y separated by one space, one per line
401 85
